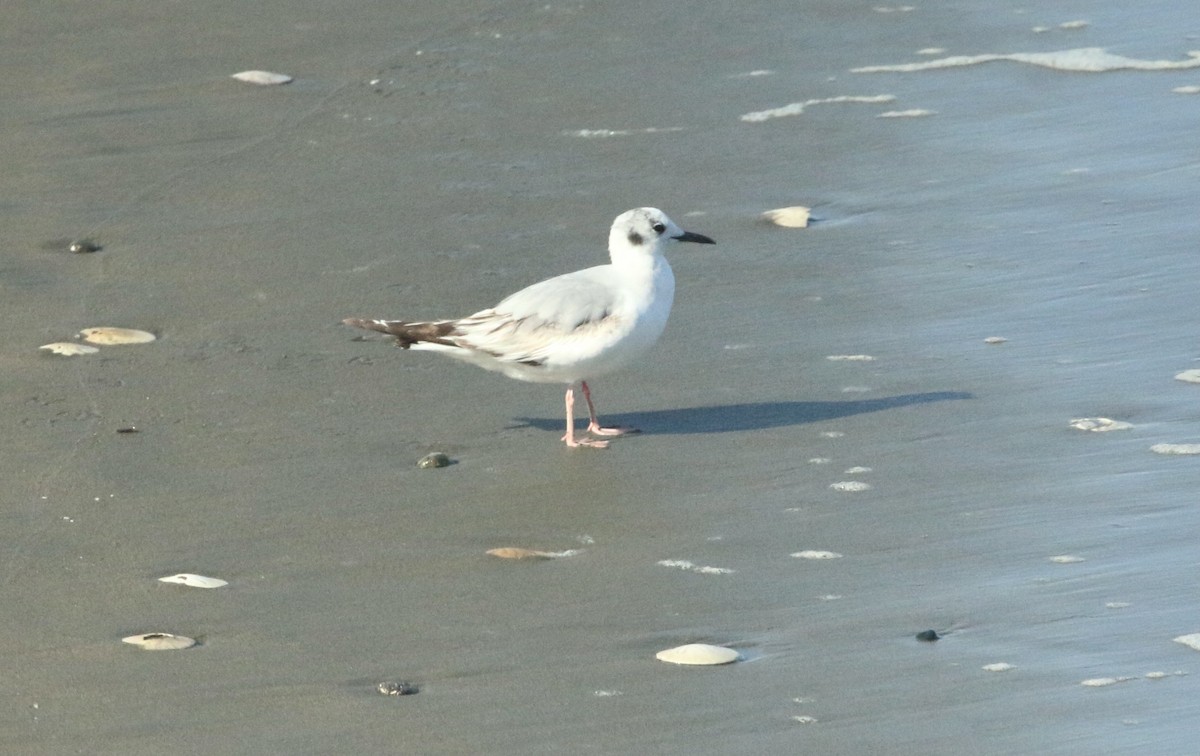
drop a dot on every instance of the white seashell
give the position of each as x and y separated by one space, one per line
995 340
1189 376
1099 424
262 77
698 654
998 667
1067 559
850 358
515 552
68 348
160 641
196 581
788 217
112 336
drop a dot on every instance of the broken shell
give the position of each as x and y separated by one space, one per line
68 348
390 688
195 581
788 217
160 641
112 336
433 460
514 552
262 77
698 654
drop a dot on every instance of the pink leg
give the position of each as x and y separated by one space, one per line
570 435
594 425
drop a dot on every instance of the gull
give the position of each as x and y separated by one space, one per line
570 328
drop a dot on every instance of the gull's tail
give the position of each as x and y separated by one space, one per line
407 334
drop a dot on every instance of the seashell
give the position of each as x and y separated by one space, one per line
995 340
698 654
433 460
68 348
195 581
396 688
160 641
514 552
262 77
788 217
112 336
997 667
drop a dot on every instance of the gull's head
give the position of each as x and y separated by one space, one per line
645 231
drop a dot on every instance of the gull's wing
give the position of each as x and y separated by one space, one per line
548 318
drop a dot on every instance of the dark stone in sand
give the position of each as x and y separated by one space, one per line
928 636
84 246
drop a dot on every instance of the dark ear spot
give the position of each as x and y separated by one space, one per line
635 238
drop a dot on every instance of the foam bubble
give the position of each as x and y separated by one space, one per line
796 108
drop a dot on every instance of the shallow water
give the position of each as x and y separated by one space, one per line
428 162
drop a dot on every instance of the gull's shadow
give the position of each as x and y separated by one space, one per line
751 416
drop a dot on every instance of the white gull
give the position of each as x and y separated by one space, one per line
570 328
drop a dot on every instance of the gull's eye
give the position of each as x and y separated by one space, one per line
659 228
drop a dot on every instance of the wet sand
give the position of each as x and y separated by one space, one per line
427 163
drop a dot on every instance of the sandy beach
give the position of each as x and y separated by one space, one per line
852 432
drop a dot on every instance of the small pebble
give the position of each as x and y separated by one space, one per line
995 340
262 77
814 554
84 247
433 460
928 636
68 348
390 688
698 654
997 667
160 641
1189 376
